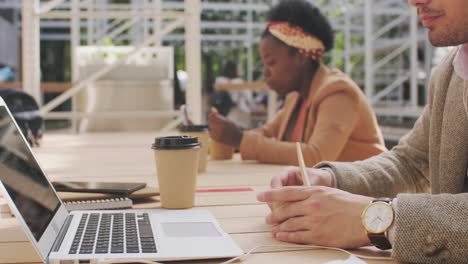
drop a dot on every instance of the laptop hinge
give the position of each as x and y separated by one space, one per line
61 234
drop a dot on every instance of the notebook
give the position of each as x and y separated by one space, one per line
60 236
123 189
101 204
144 193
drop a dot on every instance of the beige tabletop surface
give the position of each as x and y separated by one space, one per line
128 157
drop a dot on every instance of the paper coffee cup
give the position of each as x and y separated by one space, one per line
220 151
201 132
177 166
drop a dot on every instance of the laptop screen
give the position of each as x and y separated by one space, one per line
23 179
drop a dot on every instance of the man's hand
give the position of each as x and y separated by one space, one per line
291 176
317 215
224 130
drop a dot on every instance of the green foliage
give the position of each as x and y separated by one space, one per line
107 42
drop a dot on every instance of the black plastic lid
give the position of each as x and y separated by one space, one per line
175 142
194 128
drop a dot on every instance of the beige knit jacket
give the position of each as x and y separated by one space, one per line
433 157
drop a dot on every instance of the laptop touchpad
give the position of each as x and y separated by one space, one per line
190 229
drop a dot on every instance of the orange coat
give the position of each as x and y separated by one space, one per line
340 126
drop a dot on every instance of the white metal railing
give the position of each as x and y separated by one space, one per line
387 46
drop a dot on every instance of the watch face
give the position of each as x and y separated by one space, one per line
378 217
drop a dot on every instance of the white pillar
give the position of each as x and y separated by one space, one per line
369 49
137 28
90 23
74 44
414 58
193 94
250 62
31 49
157 21
347 38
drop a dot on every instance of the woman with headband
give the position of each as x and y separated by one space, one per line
323 109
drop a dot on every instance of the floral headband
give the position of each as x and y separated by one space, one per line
295 37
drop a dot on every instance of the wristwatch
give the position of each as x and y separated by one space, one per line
377 219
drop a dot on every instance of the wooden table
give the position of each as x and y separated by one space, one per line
128 157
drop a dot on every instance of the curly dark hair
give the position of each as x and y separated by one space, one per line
305 15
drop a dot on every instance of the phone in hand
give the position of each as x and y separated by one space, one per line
116 188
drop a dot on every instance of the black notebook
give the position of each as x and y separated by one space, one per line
116 188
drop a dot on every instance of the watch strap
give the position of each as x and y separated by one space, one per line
383 199
379 241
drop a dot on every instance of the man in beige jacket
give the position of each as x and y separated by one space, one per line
426 174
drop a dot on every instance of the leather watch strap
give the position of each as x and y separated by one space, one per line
379 241
383 199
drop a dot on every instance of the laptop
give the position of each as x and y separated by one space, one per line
60 236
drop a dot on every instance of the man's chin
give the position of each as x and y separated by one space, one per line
443 40
436 42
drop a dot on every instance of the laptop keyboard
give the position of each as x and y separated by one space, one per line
116 233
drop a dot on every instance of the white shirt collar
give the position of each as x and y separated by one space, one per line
460 63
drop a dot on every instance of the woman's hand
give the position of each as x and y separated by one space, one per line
317 215
291 176
224 130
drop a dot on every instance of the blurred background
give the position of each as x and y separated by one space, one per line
128 65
